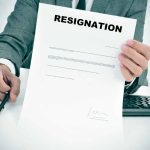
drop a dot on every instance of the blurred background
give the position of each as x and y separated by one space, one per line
7 6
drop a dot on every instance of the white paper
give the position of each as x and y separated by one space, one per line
74 94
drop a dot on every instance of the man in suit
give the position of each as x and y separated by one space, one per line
16 41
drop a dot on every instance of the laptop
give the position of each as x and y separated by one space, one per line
135 105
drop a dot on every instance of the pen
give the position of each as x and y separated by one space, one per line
5 100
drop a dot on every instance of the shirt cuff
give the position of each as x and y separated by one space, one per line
129 84
9 64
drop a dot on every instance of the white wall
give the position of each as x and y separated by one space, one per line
6 6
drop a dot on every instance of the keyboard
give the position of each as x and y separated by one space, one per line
134 105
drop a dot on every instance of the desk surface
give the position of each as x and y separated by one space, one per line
136 129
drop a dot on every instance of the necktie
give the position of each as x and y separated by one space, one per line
81 5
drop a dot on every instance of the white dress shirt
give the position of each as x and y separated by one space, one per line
74 5
88 4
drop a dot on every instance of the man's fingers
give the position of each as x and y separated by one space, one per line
135 56
6 77
140 47
15 88
126 74
3 86
131 66
2 95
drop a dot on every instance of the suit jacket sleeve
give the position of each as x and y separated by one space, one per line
18 34
137 11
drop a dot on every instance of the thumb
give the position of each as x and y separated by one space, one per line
15 88
3 86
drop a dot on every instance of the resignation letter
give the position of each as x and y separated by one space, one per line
75 89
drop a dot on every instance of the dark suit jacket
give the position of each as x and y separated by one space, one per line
16 41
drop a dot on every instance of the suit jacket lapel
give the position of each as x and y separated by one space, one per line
99 5
65 3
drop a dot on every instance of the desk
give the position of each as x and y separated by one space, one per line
136 129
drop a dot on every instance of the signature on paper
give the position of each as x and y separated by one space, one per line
97 114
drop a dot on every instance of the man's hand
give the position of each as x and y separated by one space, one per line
134 59
8 82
